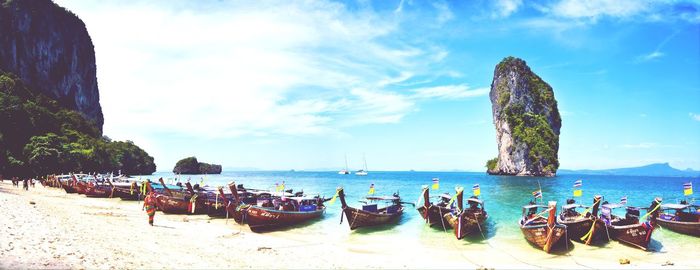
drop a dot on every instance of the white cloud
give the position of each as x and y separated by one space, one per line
504 8
444 12
643 145
694 116
594 9
450 92
250 68
650 56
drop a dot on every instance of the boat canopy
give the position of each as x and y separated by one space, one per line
382 198
530 206
675 206
573 205
613 205
475 200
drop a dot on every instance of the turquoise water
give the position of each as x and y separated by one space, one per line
503 197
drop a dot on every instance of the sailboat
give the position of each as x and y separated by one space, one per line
345 171
362 172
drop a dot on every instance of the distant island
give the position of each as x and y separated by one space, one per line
527 122
190 165
656 169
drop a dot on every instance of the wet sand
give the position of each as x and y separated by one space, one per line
60 230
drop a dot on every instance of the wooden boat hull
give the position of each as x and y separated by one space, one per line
126 194
689 228
359 218
537 235
263 219
470 223
173 205
98 191
70 189
434 215
80 188
579 228
637 235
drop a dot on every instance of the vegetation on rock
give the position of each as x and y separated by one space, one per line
40 137
190 165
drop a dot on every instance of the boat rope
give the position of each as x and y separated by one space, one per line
589 236
353 219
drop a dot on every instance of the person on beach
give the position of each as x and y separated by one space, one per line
25 184
149 204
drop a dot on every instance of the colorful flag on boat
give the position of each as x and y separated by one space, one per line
436 183
371 189
623 200
578 183
688 189
476 189
537 194
578 192
280 187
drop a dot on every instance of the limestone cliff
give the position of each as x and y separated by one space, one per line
49 48
527 122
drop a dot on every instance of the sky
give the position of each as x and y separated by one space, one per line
281 85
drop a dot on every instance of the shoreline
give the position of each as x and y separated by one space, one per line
71 231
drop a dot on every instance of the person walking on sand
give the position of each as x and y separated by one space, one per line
25 184
149 204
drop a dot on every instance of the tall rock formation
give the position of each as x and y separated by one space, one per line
527 122
49 48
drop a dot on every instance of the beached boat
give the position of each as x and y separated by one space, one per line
627 230
434 213
684 219
284 212
67 182
98 189
177 202
127 191
584 226
370 215
469 220
541 231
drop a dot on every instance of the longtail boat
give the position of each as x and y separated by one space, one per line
685 218
469 220
235 208
96 189
541 231
178 202
284 212
127 191
370 215
627 229
434 213
68 183
584 226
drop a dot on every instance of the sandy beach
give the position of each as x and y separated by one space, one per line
46 228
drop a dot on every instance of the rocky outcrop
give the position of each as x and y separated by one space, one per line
49 48
190 165
527 122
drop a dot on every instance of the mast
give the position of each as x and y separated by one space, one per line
346 162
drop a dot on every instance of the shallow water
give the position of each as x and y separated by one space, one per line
503 197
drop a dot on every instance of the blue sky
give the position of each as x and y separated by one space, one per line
299 84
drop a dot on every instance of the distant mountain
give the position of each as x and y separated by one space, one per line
657 169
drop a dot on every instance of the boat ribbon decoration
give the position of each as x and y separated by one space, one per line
658 204
688 189
334 196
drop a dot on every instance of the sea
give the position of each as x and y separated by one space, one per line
503 198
